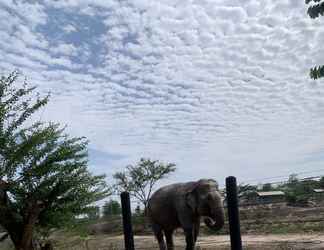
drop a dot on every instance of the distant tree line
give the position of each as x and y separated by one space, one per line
298 192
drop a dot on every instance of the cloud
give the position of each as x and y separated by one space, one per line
99 160
65 49
218 87
69 28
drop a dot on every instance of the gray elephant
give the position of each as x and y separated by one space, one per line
182 205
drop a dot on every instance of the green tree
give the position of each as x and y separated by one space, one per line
266 187
93 213
299 191
292 180
321 182
316 9
44 181
110 208
138 210
244 190
140 179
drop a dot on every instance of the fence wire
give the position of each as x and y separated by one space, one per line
256 216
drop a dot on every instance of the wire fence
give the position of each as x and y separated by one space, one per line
220 244
258 215
249 223
142 224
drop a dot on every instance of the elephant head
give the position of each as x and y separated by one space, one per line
204 199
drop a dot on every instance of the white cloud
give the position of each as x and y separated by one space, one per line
219 87
32 13
65 49
69 28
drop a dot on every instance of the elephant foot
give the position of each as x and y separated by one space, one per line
162 246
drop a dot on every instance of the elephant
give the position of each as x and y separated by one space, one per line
181 205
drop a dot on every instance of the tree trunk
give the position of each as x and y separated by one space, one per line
19 226
26 236
145 203
26 242
11 225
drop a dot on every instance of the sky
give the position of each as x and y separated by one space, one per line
219 87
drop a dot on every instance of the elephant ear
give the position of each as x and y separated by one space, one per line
191 197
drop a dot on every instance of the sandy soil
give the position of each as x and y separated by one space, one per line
250 242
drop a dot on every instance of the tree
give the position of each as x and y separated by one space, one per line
321 182
292 180
267 187
138 210
44 180
299 191
110 208
314 11
139 180
243 190
93 213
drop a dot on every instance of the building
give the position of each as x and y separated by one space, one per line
318 194
252 198
270 197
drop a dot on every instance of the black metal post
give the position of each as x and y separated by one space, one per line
127 221
233 213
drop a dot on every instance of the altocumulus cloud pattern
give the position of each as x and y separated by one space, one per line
218 86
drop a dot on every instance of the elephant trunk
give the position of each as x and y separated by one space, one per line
216 221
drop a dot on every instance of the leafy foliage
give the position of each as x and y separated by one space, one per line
321 182
138 210
244 190
317 72
44 179
266 187
299 192
111 208
93 213
139 180
314 11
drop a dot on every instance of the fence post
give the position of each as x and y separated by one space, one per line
233 213
127 221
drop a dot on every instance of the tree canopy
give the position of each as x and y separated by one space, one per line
140 179
111 208
315 10
44 180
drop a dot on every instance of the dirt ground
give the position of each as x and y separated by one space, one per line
250 242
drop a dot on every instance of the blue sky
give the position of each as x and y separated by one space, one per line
219 87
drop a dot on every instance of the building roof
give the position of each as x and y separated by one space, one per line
271 193
319 190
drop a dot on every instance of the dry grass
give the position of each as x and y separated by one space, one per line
250 242
275 228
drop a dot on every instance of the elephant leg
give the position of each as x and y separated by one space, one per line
196 230
159 236
189 239
169 239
